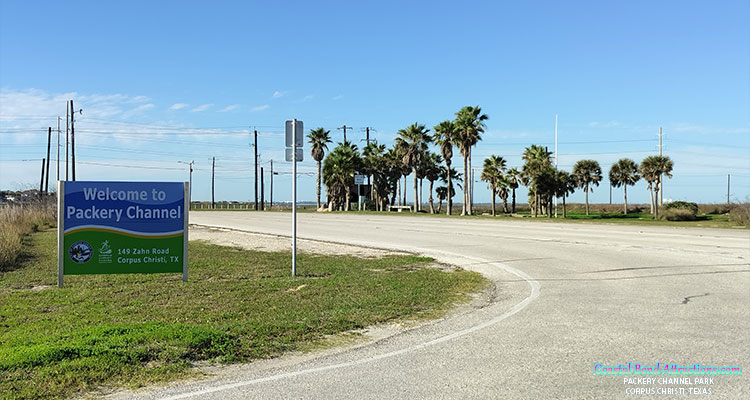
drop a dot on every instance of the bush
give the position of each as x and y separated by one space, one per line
675 205
740 214
678 214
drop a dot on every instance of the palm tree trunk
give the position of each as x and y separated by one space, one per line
492 188
348 198
318 188
416 192
625 187
656 201
466 183
440 205
398 191
536 203
651 193
470 210
513 209
432 208
565 215
449 204
404 191
421 194
587 198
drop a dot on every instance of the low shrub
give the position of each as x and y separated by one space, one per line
740 214
678 214
693 207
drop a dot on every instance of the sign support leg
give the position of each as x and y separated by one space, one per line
60 231
294 197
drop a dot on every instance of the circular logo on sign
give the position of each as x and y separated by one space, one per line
80 252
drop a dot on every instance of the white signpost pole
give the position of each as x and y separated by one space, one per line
294 197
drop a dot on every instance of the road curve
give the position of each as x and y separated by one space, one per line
568 296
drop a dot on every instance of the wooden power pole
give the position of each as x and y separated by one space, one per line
262 192
49 143
255 146
41 181
73 140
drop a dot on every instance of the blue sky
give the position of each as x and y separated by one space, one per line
170 81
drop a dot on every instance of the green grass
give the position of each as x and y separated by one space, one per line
130 330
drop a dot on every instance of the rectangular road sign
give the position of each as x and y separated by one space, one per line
298 151
299 134
360 179
122 227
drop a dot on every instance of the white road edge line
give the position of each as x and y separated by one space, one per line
513 310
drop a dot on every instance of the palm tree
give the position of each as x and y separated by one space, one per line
431 165
442 194
338 173
492 173
445 137
651 169
536 159
623 173
513 176
374 163
587 173
413 142
564 184
502 191
319 139
469 127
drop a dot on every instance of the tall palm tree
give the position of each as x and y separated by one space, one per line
651 169
374 164
514 178
469 125
318 139
492 173
413 142
442 194
536 159
623 173
445 137
587 173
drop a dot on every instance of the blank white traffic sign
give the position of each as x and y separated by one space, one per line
299 135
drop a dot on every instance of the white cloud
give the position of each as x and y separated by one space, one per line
608 124
202 107
137 110
339 97
230 108
277 94
178 106
260 108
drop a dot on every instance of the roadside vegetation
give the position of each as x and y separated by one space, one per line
240 305
18 221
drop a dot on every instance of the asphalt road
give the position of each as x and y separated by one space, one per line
567 296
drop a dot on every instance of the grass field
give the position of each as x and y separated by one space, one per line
130 330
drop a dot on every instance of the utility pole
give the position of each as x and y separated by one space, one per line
344 128
49 143
728 180
73 139
610 192
67 136
213 178
270 203
41 181
367 138
190 165
58 148
256 169
556 157
262 192
661 177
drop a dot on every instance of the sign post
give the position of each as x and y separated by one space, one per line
122 227
359 180
294 139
